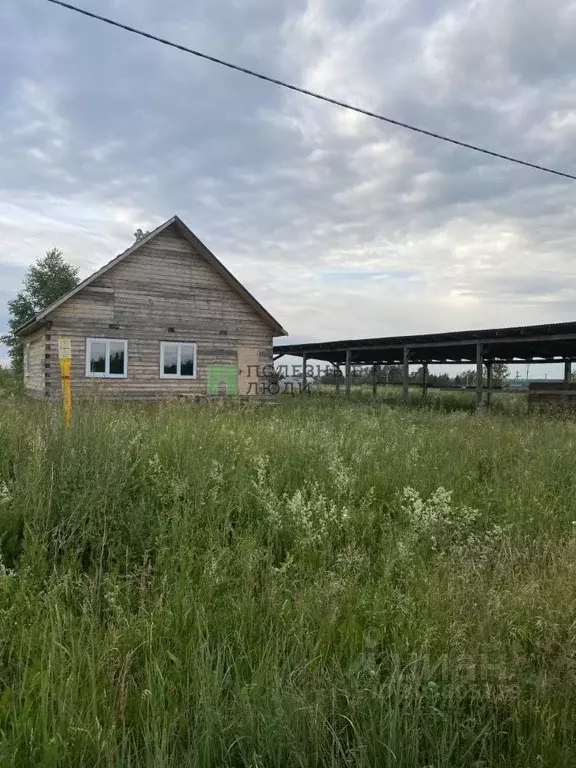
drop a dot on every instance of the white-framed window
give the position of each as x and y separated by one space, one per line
27 359
177 360
107 358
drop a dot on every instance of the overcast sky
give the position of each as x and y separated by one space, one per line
340 225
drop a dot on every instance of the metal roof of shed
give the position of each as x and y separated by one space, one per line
549 342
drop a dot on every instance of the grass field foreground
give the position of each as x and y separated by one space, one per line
318 583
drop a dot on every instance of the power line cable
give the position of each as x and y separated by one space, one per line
312 94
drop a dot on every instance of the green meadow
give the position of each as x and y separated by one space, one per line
317 583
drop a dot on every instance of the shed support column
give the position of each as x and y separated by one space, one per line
567 377
489 385
479 374
337 374
348 372
424 379
304 380
374 382
405 374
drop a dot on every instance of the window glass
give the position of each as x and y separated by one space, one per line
171 359
187 360
178 359
117 361
98 357
106 357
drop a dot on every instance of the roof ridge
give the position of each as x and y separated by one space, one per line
185 232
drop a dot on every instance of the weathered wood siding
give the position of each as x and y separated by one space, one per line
34 381
164 285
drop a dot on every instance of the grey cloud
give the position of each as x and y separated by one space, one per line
104 132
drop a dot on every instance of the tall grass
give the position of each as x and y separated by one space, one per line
315 584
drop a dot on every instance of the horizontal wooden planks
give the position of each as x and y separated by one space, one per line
164 285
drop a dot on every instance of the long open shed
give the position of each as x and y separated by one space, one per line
551 343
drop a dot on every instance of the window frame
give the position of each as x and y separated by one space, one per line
179 345
27 360
106 373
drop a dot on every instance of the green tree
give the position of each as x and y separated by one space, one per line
500 374
49 278
468 378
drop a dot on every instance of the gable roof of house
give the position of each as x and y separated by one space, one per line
197 244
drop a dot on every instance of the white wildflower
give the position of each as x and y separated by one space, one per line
436 519
154 466
112 594
135 440
313 515
342 476
213 571
5 495
4 571
445 526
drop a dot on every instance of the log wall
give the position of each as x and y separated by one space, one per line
34 380
164 291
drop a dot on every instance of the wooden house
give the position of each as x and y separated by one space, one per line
163 319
